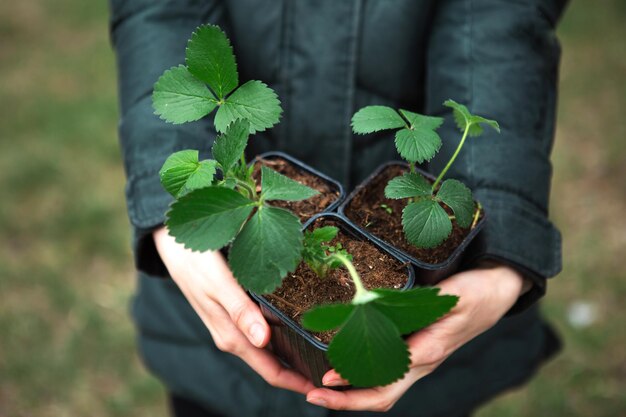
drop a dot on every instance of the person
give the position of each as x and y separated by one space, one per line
200 333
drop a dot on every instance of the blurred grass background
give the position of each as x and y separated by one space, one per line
66 275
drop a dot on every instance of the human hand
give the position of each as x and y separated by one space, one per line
234 321
485 295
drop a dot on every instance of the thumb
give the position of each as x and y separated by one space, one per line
243 312
248 318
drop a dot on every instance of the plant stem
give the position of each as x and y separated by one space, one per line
247 177
362 295
244 185
477 215
458 149
412 166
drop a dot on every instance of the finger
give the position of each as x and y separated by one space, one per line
228 338
216 321
378 399
275 374
242 310
212 276
333 379
430 347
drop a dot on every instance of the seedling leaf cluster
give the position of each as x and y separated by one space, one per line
425 220
368 348
219 203
209 79
318 254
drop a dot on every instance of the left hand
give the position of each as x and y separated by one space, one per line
485 295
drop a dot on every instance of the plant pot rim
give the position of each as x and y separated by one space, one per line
342 194
288 321
458 251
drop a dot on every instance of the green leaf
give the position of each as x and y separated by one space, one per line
417 145
477 129
268 247
230 145
463 117
186 157
419 142
314 251
420 121
324 234
210 58
459 198
178 97
253 101
228 183
413 309
182 172
461 114
202 177
368 350
410 184
326 317
426 223
176 169
375 118
208 218
275 186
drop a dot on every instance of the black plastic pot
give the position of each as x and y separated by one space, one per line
426 273
296 346
304 167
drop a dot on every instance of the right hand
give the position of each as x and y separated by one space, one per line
235 322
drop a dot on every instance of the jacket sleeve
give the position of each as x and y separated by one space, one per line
149 36
500 58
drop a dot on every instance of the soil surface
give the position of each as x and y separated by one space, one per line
304 289
304 209
367 209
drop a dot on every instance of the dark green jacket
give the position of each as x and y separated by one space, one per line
326 59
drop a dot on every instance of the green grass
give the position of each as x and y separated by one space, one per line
66 276
588 205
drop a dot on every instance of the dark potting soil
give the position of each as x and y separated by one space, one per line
366 209
304 209
304 289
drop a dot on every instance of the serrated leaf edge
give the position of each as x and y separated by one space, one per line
194 34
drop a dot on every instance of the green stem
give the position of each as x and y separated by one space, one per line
458 149
476 215
243 168
412 167
244 175
244 185
361 295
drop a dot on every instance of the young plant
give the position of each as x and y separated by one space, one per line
368 349
217 202
318 255
425 222
209 80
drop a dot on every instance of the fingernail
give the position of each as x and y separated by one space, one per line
317 401
257 334
333 383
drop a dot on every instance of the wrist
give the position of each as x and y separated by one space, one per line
510 280
159 234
